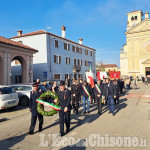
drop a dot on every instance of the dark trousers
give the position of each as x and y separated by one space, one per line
64 117
99 104
111 104
33 122
116 100
75 103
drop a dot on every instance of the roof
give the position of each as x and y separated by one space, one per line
109 65
13 43
43 31
135 11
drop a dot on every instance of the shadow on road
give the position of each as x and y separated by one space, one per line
10 142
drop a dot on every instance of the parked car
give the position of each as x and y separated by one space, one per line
23 91
8 97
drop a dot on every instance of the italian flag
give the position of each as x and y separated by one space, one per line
90 77
48 104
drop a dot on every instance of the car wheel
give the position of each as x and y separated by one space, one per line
24 101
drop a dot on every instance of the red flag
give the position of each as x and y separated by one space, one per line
114 74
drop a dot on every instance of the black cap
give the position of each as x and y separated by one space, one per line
62 83
35 85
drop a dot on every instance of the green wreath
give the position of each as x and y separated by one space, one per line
41 102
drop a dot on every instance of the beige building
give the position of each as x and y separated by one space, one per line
107 67
10 51
135 54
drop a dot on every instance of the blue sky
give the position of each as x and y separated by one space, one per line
101 23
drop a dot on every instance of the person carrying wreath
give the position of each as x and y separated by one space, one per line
64 97
34 95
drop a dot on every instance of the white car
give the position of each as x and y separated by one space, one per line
8 97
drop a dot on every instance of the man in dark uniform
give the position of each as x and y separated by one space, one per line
64 96
75 96
110 93
98 91
34 95
116 100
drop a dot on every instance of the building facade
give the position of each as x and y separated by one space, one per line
135 54
107 67
58 58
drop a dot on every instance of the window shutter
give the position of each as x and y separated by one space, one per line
66 60
60 59
54 58
69 60
81 62
68 46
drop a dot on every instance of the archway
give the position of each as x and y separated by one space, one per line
1 71
18 70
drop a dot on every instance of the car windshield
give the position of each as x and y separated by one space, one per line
6 90
22 88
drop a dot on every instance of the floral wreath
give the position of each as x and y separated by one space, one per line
41 103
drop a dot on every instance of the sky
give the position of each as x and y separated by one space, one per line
101 23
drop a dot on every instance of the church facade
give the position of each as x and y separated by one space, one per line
135 54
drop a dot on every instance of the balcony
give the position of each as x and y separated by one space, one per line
76 68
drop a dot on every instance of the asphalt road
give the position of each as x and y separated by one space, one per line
132 121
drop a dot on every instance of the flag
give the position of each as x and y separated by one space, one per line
90 77
101 75
114 74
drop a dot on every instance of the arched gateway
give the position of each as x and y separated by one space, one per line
11 50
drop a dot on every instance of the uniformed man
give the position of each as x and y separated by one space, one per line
64 96
34 95
116 100
98 91
75 96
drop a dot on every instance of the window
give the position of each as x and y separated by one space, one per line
56 43
65 46
67 60
80 50
78 61
73 48
80 76
132 18
57 59
77 49
86 63
68 47
68 76
56 76
86 52
135 17
81 62
90 53
75 62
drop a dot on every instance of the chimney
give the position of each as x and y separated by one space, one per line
63 28
80 41
146 15
19 32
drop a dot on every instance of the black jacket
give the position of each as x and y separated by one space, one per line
64 98
96 91
117 90
112 90
75 90
32 103
88 87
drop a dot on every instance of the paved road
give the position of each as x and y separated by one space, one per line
132 120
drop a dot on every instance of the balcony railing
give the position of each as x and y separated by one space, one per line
77 68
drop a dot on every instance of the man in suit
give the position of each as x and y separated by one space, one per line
86 92
34 95
64 96
75 96
110 94
98 91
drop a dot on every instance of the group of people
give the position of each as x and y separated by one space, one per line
104 91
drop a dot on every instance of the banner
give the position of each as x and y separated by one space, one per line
114 74
101 75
